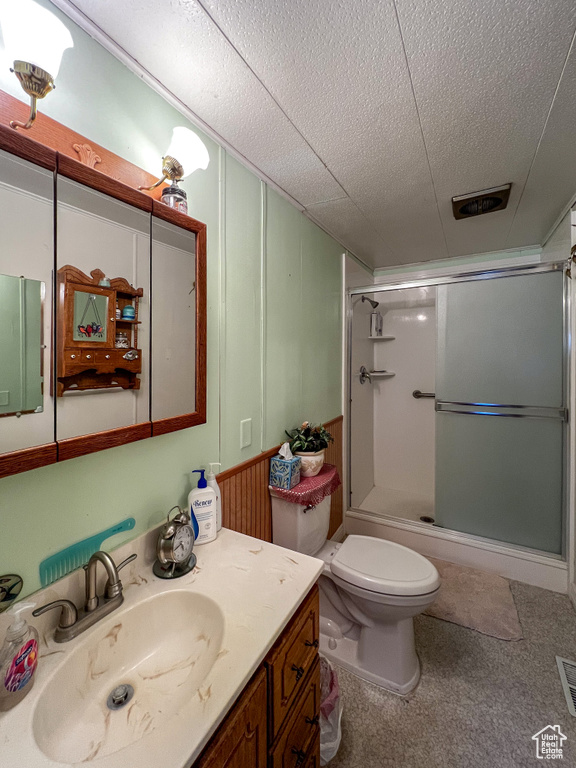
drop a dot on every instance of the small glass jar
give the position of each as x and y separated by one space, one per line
121 341
175 197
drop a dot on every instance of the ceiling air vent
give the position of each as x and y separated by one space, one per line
477 203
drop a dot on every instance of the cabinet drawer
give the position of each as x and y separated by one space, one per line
89 356
297 741
291 659
72 356
110 359
129 365
105 356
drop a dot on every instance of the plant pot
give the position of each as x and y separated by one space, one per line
312 463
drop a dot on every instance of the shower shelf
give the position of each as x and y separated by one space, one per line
381 338
382 374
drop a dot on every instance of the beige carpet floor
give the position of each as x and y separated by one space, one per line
479 701
477 600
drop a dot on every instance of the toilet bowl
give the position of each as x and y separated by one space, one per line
370 591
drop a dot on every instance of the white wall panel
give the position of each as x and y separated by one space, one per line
404 432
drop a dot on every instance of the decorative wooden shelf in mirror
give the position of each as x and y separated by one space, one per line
96 348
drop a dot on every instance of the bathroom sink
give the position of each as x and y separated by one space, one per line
127 676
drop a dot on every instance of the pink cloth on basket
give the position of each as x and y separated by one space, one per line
311 490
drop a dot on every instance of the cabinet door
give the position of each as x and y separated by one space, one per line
297 742
291 659
241 739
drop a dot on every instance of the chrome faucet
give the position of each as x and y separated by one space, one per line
113 585
73 622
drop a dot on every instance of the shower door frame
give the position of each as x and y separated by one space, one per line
459 276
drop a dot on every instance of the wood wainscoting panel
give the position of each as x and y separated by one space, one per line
246 506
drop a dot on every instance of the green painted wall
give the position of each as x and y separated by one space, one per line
274 306
303 337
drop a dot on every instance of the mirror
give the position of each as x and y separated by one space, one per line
173 320
21 349
26 261
103 246
83 368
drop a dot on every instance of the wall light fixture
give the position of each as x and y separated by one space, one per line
35 40
187 153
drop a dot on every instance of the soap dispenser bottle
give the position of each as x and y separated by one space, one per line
18 659
213 484
202 506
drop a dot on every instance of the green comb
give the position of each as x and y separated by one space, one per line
67 560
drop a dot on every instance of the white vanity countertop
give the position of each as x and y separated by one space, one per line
258 587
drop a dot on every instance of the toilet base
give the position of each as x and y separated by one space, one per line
345 654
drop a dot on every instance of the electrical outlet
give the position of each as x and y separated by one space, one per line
4 398
245 433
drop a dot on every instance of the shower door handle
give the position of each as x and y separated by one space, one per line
364 375
419 395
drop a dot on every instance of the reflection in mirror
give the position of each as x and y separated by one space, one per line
26 248
100 236
173 320
21 379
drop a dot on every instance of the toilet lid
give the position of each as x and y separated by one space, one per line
384 567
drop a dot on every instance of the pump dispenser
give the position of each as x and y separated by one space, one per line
213 484
202 506
18 659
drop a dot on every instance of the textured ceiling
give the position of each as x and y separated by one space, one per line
372 114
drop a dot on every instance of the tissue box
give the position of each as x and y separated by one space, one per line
284 473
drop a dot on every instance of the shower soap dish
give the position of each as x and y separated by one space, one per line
67 560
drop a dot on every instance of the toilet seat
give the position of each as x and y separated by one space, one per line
384 567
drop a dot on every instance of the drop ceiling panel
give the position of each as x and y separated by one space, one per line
339 72
551 185
484 76
184 50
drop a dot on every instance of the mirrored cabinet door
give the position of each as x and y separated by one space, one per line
103 313
26 268
174 303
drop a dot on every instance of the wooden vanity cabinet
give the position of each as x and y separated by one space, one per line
275 722
241 741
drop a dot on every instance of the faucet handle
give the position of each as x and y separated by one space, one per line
68 615
125 562
113 590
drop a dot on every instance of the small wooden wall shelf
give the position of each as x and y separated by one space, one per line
88 356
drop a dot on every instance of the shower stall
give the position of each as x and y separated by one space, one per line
458 418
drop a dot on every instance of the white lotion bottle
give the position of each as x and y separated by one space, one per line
18 659
213 484
202 506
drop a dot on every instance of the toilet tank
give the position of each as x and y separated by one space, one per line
296 529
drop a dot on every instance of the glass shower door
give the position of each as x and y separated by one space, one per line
500 409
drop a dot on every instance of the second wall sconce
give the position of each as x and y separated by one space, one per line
187 153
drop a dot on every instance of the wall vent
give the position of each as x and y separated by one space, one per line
567 670
477 203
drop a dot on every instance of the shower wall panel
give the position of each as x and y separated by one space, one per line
404 426
362 405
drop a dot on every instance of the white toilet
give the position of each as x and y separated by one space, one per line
370 591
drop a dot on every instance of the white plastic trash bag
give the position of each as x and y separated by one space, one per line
330 711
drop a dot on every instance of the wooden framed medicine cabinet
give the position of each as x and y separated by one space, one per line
60 182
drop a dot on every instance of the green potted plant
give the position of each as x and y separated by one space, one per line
309 442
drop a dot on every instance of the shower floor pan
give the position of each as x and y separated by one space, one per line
390 502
